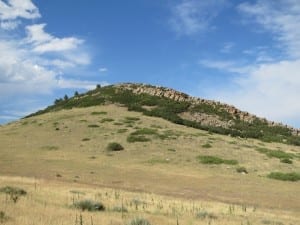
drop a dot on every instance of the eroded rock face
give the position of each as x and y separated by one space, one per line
202 118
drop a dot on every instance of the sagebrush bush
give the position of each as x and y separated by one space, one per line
114 146
241 169
3 217
286 160
89 205
13 192
139 221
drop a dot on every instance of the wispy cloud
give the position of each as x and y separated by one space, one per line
103 70
227 47
190 17
227 66
281 17
12 10
270 83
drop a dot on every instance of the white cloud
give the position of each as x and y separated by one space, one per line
190 17
44 42
103 70
270 90
70 83
13 9
228 66
34 65
227 47
282 18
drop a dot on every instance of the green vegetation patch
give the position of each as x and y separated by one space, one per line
89 205
207 145
93 125
137 138
285 176
208 159
283 156
104 120
99 113
50 147
114 146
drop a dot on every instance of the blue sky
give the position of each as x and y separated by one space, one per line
245 53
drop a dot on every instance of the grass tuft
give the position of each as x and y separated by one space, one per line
208 159
284 176
139 221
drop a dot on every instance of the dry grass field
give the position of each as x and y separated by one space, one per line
62 157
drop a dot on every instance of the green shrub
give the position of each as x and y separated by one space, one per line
86 139
3 217
107 120
241 169
129 118
98 113
122 130
93 125
285 176
88 205
114 146
13 192
207 145
207 159
137 138
286 160
139 221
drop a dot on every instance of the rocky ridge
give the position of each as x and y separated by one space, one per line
204 119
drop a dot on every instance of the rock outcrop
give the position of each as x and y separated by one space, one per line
204 118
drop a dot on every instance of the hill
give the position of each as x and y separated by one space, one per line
129 149
182 109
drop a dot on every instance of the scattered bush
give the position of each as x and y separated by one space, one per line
207 145
139 221
286 160
204 214
93 125
85 139
98 113
137 138
106 120
13 192
207 159
285 176
241 169
114 146
3 217
89 205
122 130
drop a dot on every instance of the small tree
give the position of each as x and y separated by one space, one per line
66 98
98 86
76 94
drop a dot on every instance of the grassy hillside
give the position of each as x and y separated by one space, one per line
163 171
218 118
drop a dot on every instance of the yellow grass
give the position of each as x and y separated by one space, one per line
51 203
52 151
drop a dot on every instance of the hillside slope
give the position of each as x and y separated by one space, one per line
67 149
182 109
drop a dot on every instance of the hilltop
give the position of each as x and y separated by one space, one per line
183 109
